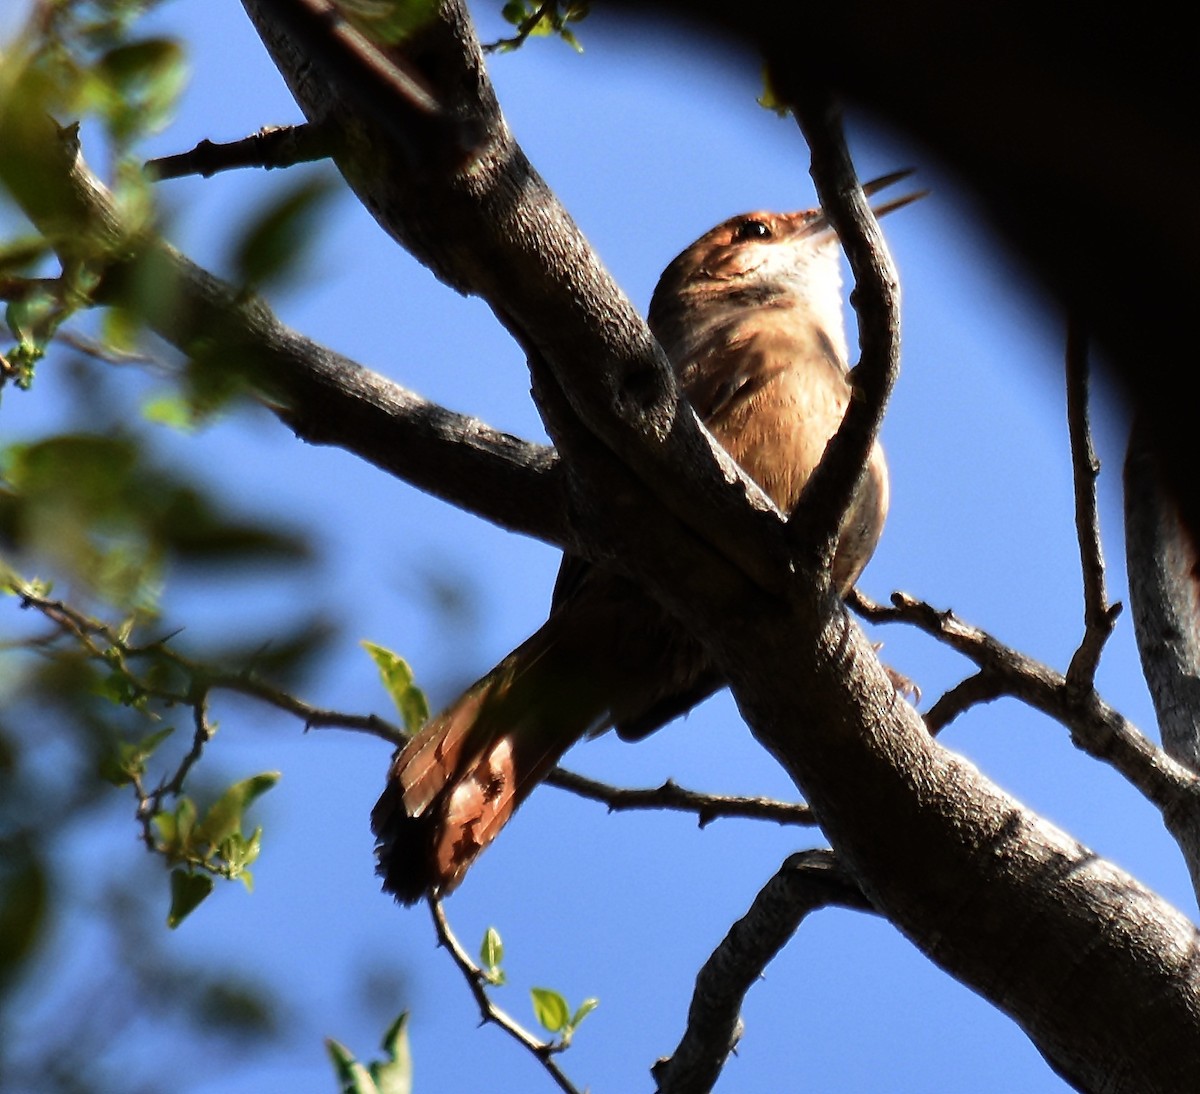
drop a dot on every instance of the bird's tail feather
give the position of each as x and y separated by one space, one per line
458 781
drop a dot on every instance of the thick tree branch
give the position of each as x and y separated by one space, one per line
325 397
997 896
492 227
807 881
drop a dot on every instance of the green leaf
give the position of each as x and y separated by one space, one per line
136 85
770 98
585 1008
238 853
23 904
187 892
175 829
550 1009
397 678
491 950
224 816
355 1078
394 1074
172 410
128 760
272 245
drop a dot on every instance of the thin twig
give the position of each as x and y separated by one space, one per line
104 643
983 687
543 1051
1099 617
707 807
524 29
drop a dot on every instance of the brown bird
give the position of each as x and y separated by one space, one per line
750 316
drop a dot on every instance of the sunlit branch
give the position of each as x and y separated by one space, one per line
1095 727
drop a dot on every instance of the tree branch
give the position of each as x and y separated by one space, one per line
876 299
807 881
325 398
996 895
1095 727
707 807
1099 617
273 146
1164 590
543 1051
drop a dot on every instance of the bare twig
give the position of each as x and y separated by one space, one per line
271 147
1095 727
806 881
1099 617
707 807
543 1051
104 643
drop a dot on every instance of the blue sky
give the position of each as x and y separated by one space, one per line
649 138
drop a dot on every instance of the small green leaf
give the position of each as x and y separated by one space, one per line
238 853
272 245
224 816
129 758
394 1075
355 1078
550 1009
175 829
171 410
397 678
137 84
585 1008
491 951
770 98
187 892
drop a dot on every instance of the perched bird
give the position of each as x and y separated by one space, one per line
750 316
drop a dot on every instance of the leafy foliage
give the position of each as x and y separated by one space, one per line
392 1075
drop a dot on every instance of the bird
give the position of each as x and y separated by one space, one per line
750 316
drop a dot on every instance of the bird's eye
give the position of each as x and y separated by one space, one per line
751 229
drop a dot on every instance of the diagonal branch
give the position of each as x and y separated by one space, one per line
876 301
543 1051
1095 727
807 881
325 397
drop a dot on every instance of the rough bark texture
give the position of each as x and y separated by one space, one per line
1100 972
1164 590
1061 940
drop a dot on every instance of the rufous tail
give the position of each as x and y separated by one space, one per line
457 782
